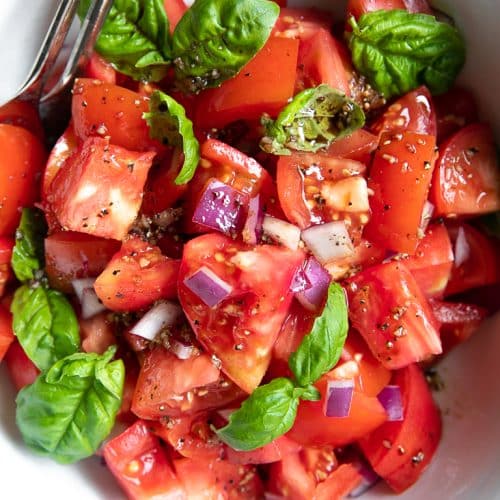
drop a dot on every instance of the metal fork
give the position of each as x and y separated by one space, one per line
50 102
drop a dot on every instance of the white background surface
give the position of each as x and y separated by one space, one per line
467 464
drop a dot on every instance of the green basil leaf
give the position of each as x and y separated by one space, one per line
135 38
70 409
45 324
309 393
168 123
216 38
312 121
397 51
320 350
265 415
28 252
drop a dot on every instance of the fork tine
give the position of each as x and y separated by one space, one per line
82 46
51 46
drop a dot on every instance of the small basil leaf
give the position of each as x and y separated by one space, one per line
28 252
70 409
320 350
266 414
312 121
168 123
309 393
398 51
45 324
216 38
135 38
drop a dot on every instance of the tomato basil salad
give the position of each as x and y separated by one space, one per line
234 272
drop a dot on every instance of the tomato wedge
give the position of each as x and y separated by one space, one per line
399 451
390 311
21 369
6 333
467 179
6 246
242 329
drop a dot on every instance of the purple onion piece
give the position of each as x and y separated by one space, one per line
313 296
221 208
338 398
211 289
369 479
300 281
390 399
252 229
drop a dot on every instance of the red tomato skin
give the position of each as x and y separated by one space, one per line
72 255
466 179
458 321
480 267
22 114
413 441
174 9
301 23
6 333
413 112
339 483
141 466
97 333
390 311
271 452
320 61
99 191
21 163
104 109
254 90
433 261
6 246
400 177
313 428
165 381
357 8
21 370
358 146
137 276
252 306
97 68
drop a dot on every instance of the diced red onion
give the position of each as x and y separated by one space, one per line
79 285
299 282
252 229
208 286
338 398
221 208
426 217
312 297
161 315
328 242
182 351
91 304
281 231
369 480
462 248
390 399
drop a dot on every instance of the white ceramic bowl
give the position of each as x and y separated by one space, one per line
468 459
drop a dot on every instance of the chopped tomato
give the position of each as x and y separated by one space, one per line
141 466
242 329
22 114
271 452
458 321
316 188
99 190
103 109
72 255
174 9
358 146
399 451
413 112
21 164
400 177
137 276
98 68
339 483
467 179
6 333
476 259
97 333
313 428
64 147
390 311
320 61
301 23
454 109
254 90
433 261
20 368
6 246
190 435
357 8
217 479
